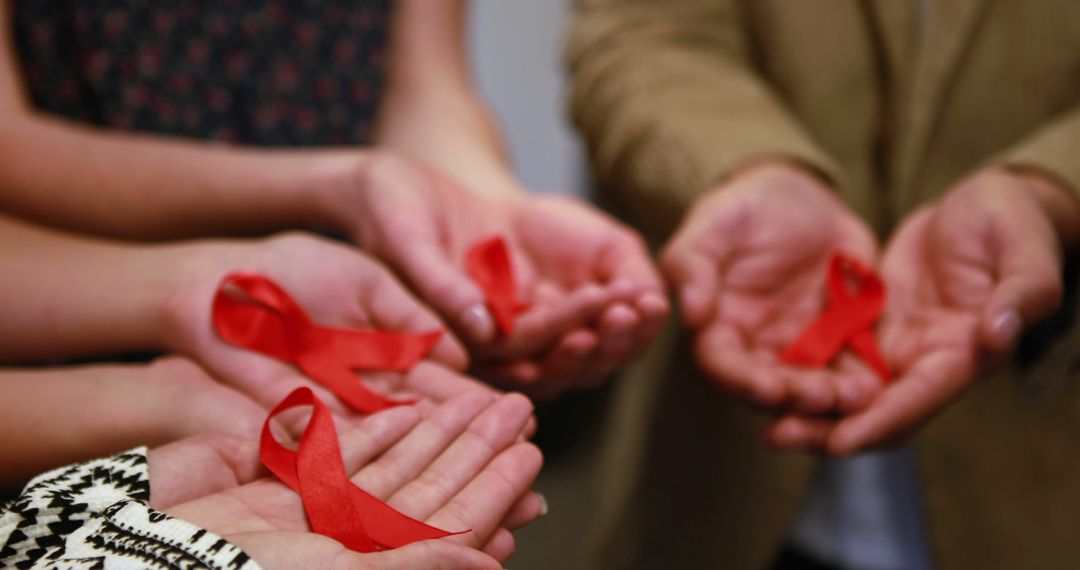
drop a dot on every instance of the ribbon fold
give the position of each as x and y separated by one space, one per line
848 321
488 263
335 506
252 312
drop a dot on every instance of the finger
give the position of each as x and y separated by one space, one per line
809 391
406 460
440 384
794 432
855 384
514 375
693 277
565 364
617 329
1029 289
449 289
625 258
483 504
526 511
489 434
392 307
540 327
653 310
501 545
376 434
930 385
722 355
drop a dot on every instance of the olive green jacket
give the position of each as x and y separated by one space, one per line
893 106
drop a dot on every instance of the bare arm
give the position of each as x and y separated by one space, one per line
150 187
432 109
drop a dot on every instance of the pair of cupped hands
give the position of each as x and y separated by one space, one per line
965 275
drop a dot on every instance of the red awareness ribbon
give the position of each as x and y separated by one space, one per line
267 320
335 506
848 321
488 263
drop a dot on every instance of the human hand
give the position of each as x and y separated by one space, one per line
76 413
461 467
594 298
336 285
748 265
965 275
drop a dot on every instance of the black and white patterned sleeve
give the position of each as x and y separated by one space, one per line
95 515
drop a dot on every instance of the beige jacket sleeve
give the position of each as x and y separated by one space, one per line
1053 149
669 102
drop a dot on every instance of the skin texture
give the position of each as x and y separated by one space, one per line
748 264
433 126
594 297
966 275
77 413
460 468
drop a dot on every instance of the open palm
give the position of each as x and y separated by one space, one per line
965 274
749 265
460 468
337 286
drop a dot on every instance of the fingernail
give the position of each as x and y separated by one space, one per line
478 323
690 298
543 504
1006 326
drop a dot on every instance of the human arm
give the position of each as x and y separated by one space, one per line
57 416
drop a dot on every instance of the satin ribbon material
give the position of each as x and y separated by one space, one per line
848 321
335 506
252 312
488 263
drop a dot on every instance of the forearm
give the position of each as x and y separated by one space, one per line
431 108
55 417
147 187
68 296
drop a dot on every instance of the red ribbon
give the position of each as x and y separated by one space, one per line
267 320
848 321
335 506
488 263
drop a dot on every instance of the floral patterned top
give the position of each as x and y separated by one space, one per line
262 72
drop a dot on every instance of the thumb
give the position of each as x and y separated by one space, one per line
449 290
1029 289
693 277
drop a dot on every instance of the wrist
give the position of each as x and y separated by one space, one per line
189 278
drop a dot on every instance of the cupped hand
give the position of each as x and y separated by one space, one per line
462 467
594 299
336 285
965 275
748 265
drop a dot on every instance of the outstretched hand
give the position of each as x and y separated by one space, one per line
965 274
337 286
462 467
594 298
748 265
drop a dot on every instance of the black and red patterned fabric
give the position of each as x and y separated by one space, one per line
263 72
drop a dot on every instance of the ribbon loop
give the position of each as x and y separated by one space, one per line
856 298
488 263
252 312
335 506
